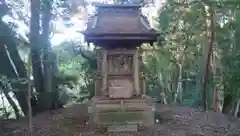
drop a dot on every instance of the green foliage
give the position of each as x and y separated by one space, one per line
67 79
231 68
76 77
184 25
185 28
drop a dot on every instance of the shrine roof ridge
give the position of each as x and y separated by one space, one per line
118 5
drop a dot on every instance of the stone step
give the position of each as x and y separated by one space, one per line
123 128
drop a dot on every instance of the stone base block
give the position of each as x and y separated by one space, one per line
108 112
123 128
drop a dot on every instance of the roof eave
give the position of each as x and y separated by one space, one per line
94 34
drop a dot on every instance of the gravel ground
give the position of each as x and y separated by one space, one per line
172 121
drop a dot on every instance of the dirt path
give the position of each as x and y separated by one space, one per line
173 121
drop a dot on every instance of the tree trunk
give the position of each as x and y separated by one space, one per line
163 97
228 104
29 92
55 99
219 99
21 73
211 36
179 85
236 110
11 102
162 93
35 49
47 59
216 93
15 70
3 103
7 70
214 99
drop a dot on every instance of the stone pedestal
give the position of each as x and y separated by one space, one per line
112 112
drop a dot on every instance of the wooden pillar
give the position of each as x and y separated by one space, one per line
95 88
144 86
136 73
104 72
99 60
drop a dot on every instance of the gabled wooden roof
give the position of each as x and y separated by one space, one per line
119 22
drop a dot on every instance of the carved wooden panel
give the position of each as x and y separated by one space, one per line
120 64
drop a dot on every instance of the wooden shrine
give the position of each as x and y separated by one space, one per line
119 97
